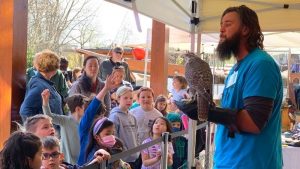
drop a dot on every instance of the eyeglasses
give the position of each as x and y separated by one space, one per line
119 53
53 155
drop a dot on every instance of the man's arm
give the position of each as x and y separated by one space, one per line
255 115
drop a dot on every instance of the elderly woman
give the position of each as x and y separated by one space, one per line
47 63
89 83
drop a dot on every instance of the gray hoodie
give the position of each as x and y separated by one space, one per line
125 129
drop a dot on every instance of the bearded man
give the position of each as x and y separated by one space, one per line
253 90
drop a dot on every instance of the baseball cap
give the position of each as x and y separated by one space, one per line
118 49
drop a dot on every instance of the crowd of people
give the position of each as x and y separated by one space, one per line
100 114
108 113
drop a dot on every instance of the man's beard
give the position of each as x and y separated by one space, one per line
229 47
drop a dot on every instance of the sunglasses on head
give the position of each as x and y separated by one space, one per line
53 155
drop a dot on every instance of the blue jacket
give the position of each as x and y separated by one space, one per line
32 103
84 127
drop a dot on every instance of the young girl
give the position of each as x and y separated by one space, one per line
152 155
40 125
161 104
101 137
145 114
101 128
22 150
92 111
125 124
179 90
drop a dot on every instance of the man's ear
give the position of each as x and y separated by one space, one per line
245 31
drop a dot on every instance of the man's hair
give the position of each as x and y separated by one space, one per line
249 19
30 123
64 64
50 142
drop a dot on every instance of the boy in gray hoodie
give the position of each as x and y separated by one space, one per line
125 124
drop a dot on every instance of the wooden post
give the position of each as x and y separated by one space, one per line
13 43
159 58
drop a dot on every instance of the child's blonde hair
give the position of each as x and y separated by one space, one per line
123 90
30 123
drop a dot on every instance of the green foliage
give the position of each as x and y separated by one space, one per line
29 57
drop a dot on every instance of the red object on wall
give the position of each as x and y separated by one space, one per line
138 53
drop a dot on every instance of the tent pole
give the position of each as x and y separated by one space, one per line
192 123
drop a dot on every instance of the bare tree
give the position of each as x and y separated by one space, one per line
125 32
82 35
52 22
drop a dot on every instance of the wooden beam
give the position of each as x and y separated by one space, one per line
159 58
13 43
139 66
135 65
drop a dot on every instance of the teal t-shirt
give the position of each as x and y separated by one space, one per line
256 75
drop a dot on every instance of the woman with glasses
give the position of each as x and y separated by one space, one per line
116 59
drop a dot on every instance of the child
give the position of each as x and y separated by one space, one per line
179 90
161 104
102 127
22 150
40 125
125 124
90 114
68 124
180 144
152 155
53 158
119 73
101 137
145 114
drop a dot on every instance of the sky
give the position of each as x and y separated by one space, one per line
110 18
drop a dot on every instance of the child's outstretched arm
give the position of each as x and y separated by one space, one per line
109 85
90 112
56 118
45 96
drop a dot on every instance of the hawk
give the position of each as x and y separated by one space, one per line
200 80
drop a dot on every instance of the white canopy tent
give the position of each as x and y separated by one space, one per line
274 16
